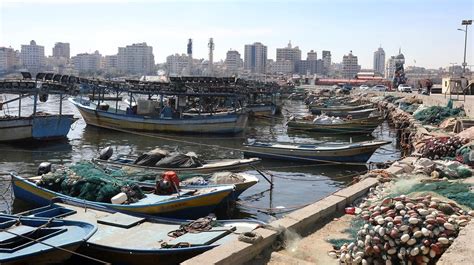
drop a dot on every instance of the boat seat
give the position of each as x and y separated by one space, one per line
18 230
120 220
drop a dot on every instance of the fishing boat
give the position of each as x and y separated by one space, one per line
358 152
355 114
346 126
34 240
190 202
318 110
204 167
111 118
37 125
199 105
120 238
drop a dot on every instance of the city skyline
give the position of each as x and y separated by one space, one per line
113 24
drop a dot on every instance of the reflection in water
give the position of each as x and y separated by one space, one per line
295 184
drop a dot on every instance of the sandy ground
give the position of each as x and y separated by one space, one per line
314 247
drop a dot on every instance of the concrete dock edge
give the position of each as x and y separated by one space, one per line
300 221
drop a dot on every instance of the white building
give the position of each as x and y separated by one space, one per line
61 50
390 65
233 62
255 57
110 62
177 64
32 56
288 54
312 56
87 62
8 59
283 67
136 59
379 61
350 66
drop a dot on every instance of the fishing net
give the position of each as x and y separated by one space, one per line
436 114
86 181
457 191
355 225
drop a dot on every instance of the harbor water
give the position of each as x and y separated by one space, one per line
294 184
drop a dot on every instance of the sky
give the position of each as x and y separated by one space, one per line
426 31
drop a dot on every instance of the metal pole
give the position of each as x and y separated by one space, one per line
465 45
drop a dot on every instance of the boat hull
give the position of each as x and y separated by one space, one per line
189 207
130 256
319 110
359 154
48 127
228 124
197 170
355 126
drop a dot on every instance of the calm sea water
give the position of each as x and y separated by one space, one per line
295 184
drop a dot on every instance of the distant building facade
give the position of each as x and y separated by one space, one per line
87 62
177 65
326 57
379 61
233 62
288 54
255 58
137 58
8 59
283 67
350 65
32 56
308 66
61 50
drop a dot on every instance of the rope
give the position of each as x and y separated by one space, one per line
55 247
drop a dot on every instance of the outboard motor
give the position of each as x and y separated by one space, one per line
106 153
43 168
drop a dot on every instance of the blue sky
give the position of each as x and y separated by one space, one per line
425 30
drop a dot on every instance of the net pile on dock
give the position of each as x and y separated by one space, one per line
85 181
436 114
442 147
403 230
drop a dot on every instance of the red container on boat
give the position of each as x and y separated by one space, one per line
350 210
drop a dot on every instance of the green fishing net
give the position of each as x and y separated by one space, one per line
85 180
436 114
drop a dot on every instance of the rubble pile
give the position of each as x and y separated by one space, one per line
440 147
403 230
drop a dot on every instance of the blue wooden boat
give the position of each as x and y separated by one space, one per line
38 125
126 239
188 203
332 152
34 240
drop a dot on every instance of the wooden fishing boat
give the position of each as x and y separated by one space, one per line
37 125
33 240
332 152
354 126
355 114
190 202
258 110
120 237
208 166
231 123
318 110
